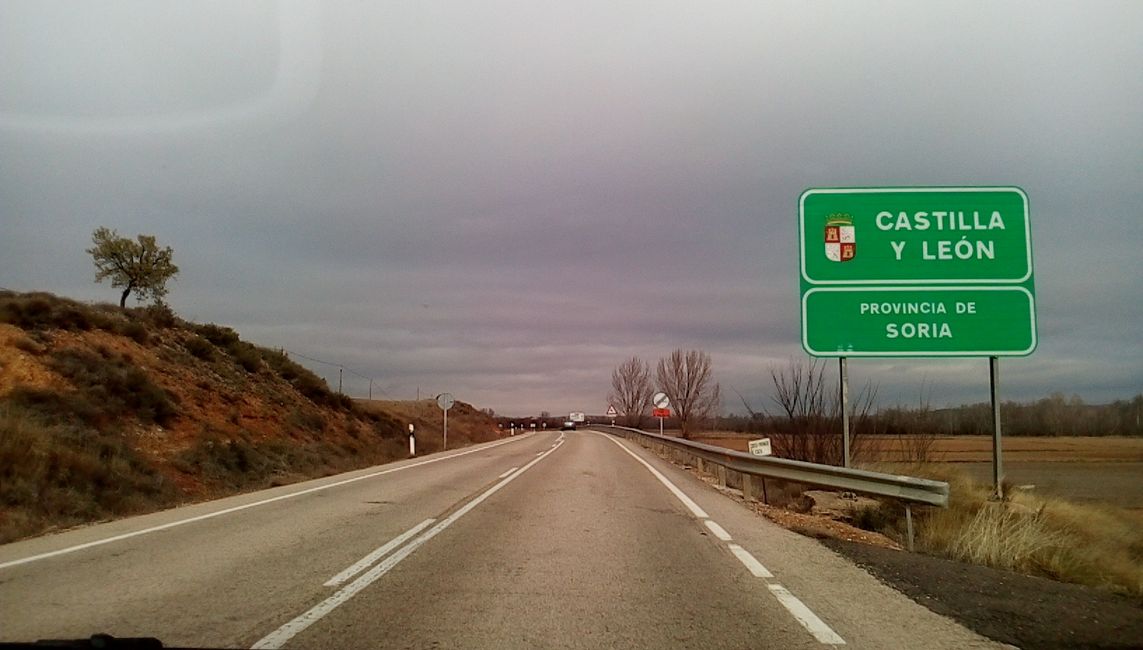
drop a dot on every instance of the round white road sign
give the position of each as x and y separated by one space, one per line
445 401
660 400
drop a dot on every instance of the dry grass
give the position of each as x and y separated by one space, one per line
974 448
1091 544
466 424
106 412
1016 448
55 474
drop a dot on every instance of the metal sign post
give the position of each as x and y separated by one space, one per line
844 368
917 272
994 393
661 402
445 401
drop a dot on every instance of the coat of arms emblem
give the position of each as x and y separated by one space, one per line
840 238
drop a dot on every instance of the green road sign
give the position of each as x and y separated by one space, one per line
916 236
932 321
915 271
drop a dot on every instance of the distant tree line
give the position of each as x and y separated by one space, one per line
1055 415
804 421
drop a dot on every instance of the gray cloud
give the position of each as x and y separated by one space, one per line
506 199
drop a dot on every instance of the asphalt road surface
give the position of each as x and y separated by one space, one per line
576 540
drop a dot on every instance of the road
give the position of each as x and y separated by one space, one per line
565 540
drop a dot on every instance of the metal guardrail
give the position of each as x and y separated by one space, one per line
905 488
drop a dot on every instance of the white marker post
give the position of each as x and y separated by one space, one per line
412 441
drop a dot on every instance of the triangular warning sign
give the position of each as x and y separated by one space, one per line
611 412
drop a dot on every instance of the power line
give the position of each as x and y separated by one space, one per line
340 367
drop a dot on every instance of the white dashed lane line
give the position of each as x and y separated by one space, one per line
718 531
749 561
805 616
801 613
283 634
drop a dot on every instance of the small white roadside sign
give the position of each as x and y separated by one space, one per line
760 447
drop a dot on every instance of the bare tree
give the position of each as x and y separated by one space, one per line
919 436
631 390
812 427
687 380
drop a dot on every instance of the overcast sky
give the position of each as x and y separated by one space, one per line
505 199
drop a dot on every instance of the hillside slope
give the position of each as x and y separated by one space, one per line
466 424
107 412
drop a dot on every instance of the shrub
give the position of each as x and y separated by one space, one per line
881 518
55 407
246 355
157 315
52 475
383 424
39 311
216 334
199 348
305 382
28 345
234 463
136 331
113 387
240 464
306 419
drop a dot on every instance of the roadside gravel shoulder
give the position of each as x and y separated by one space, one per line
1023 611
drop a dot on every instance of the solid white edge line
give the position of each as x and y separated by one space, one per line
381 551
210 515
687 501
752 564
507 473
280 636
802 614
718 531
